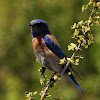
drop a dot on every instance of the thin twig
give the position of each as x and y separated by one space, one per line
44 92
46 88
44 79
71 59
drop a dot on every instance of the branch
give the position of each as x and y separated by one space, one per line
71 59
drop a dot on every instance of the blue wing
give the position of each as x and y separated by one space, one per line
52 44
71 78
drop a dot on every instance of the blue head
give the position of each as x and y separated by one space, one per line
38 27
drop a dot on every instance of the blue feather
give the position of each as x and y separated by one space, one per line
54 47
73 80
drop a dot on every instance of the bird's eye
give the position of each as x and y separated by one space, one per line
39 24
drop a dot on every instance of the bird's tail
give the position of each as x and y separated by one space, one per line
74 71
71 78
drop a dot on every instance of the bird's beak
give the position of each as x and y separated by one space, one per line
30 25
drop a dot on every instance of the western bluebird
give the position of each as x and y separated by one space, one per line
48 51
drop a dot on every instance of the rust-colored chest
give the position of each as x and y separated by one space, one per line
38 44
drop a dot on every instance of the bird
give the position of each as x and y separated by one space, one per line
48 51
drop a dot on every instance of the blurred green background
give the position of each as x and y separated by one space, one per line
18 67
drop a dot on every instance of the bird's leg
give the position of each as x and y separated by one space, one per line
42 74
50 81
43 71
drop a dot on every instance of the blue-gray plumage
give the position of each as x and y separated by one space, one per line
47 49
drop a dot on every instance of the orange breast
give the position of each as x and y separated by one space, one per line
38 44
